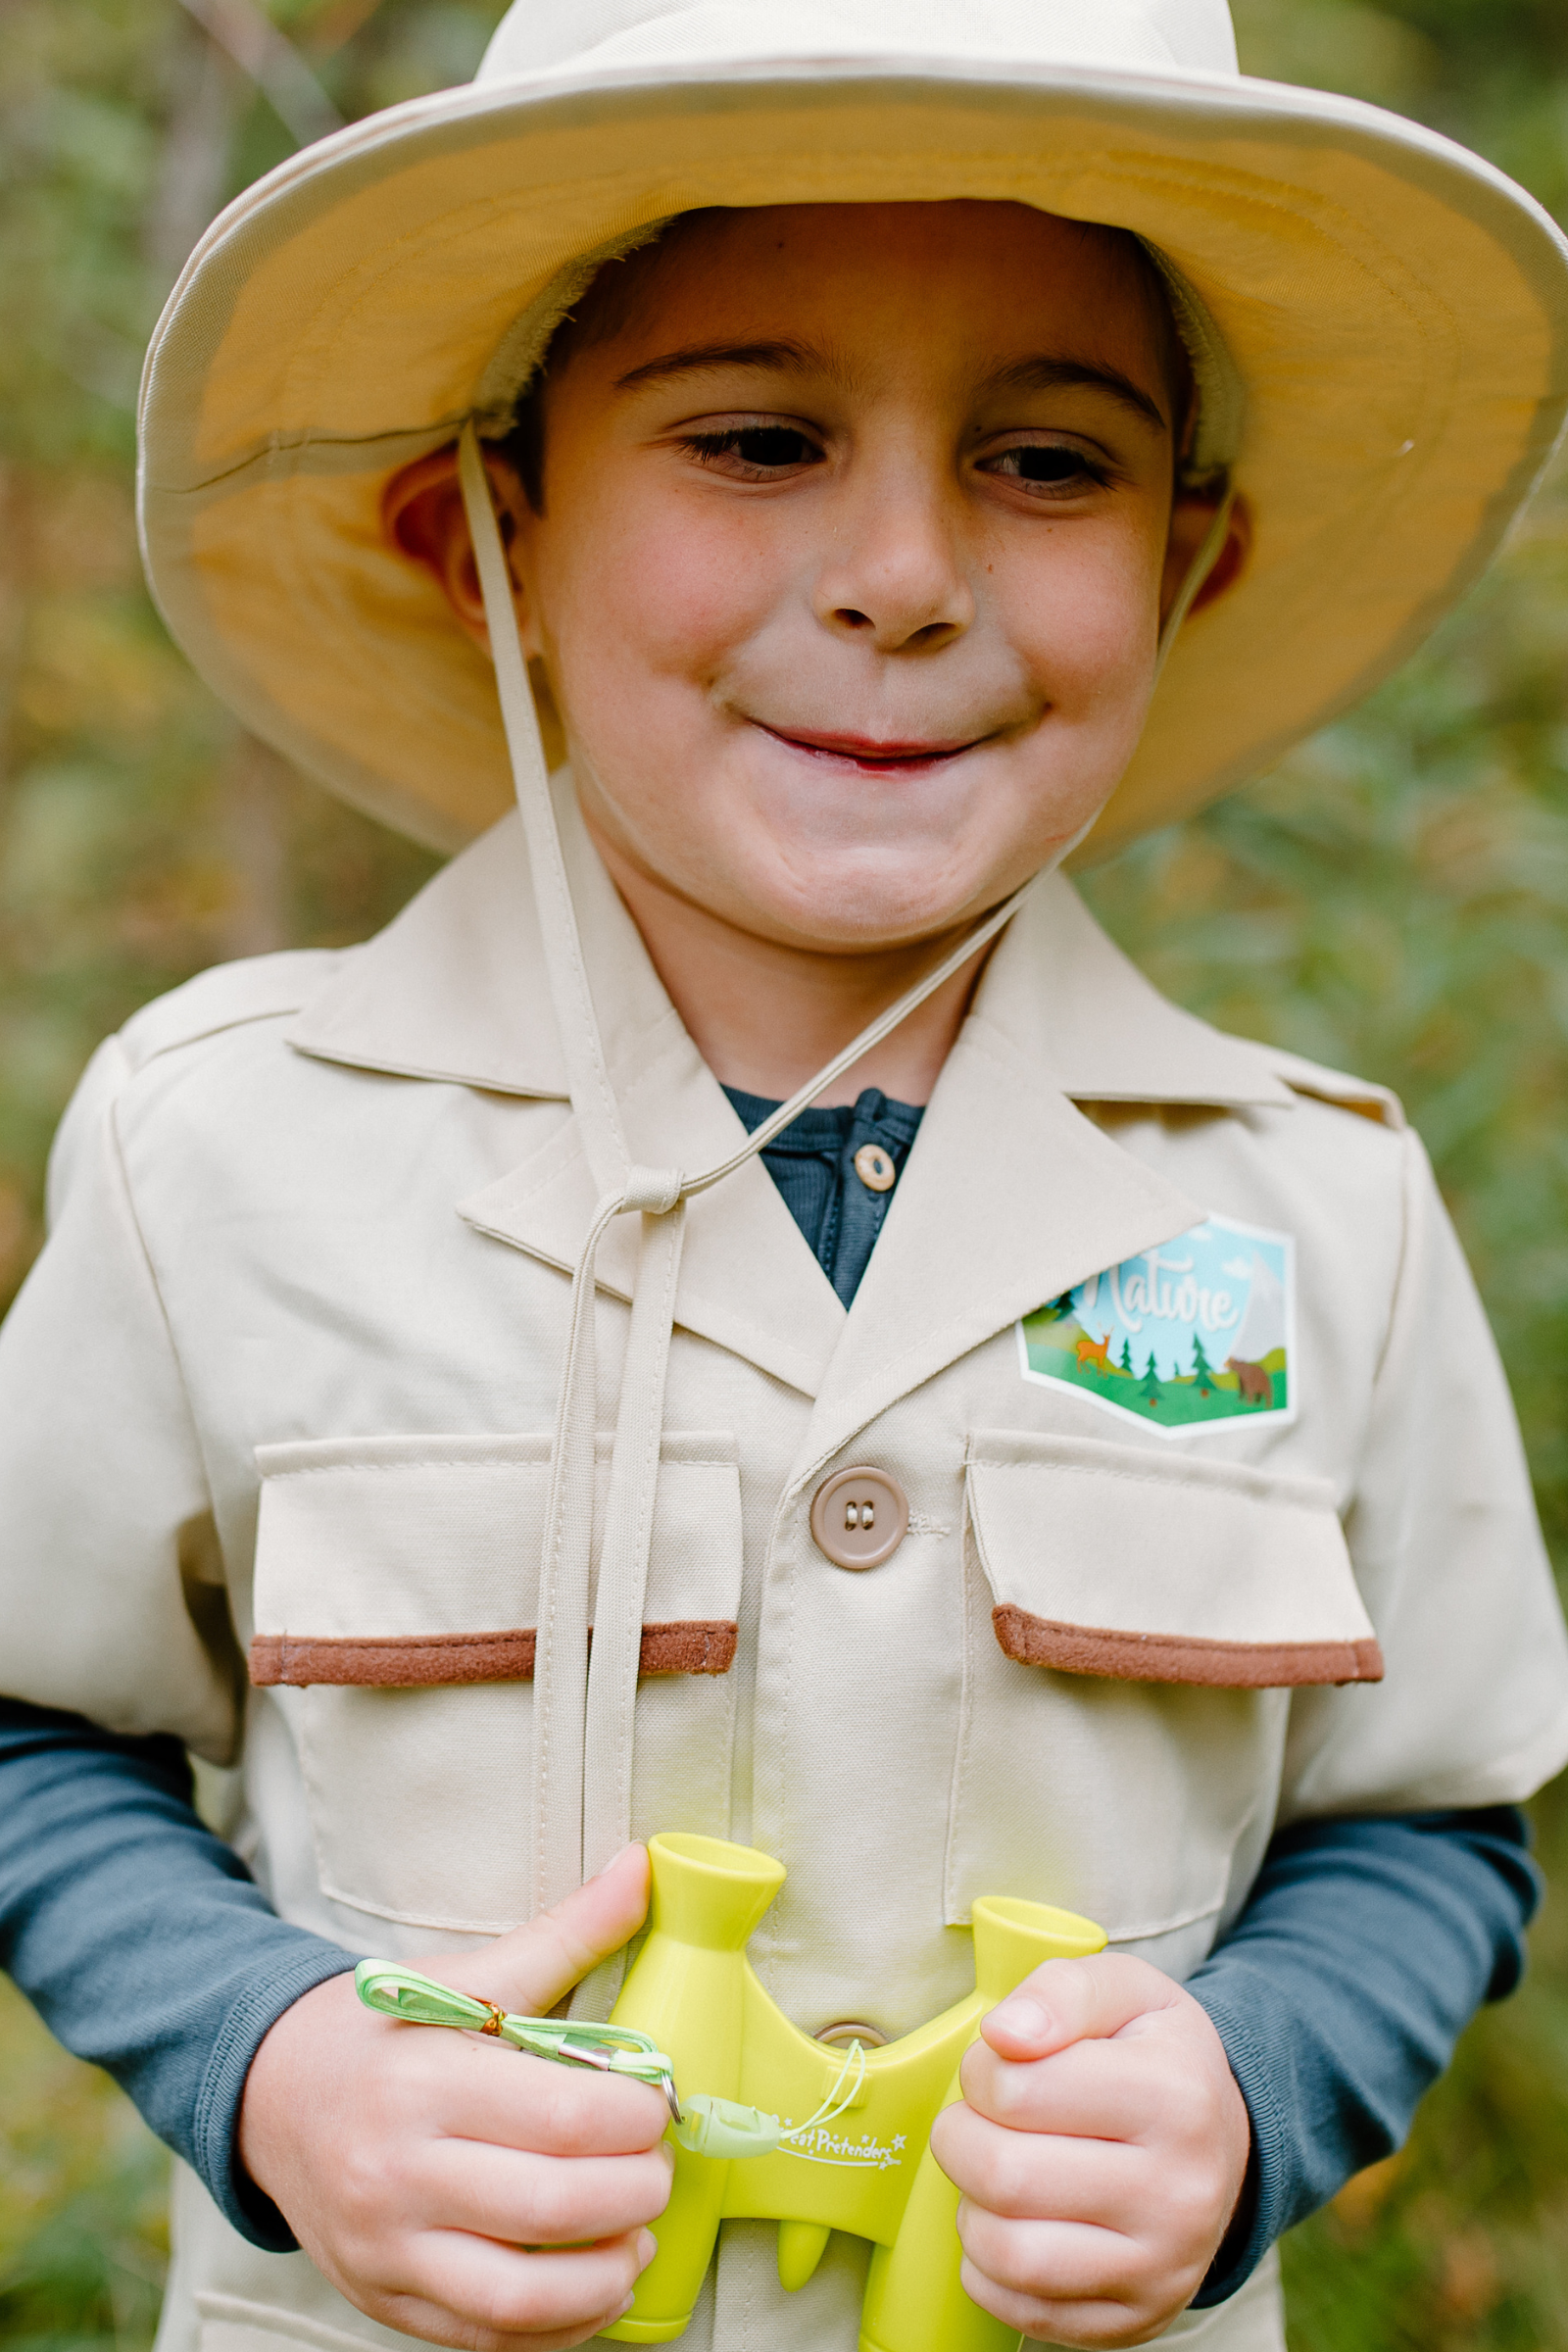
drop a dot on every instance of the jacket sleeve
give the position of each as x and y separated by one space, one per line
112 1603
1473 1707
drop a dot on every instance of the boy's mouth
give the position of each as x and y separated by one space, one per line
869 753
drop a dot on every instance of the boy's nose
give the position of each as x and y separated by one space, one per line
896 583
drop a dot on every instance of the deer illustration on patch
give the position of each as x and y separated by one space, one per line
1196 1333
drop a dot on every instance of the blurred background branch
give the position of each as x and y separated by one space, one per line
273 64
1394 900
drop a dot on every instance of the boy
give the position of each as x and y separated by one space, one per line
845 524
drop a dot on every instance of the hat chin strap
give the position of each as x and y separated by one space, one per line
579 1809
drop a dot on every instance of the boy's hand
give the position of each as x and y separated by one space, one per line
417 2166
1100 2148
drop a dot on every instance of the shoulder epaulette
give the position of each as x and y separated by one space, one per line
1360 1095
261 987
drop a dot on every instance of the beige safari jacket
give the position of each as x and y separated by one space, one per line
280 1390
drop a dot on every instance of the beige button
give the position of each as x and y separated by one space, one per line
874 1167
859 1517
839 2037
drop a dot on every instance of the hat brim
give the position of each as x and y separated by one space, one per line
1396 309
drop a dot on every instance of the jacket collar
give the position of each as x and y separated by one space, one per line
456 988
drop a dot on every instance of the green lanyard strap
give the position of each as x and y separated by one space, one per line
721 2128
609 2049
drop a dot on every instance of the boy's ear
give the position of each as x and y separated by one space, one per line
423 516
1190 514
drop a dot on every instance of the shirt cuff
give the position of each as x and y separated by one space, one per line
1259 2217
216 2122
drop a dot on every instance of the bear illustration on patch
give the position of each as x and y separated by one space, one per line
1198 1333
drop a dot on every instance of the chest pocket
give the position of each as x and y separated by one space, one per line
1134 1623
1109 1560
396 1593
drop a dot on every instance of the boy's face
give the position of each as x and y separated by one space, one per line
851 555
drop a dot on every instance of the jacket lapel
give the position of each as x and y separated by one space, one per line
1009 1197
1011 1194
748 1278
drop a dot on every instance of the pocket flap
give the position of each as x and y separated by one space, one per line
1113 1560
396 1562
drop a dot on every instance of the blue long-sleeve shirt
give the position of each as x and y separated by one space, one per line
1364 1950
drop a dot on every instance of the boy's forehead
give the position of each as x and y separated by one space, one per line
986 281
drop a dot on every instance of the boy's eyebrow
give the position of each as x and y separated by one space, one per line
696 356
1041 375
1045 375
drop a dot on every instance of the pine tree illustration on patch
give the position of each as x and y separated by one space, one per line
1192 1334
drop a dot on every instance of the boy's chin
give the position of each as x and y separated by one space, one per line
837 909
838 894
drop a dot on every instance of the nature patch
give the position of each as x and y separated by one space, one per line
1198 1332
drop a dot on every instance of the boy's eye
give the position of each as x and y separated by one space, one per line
1045 467
755 452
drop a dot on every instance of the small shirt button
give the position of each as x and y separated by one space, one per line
859 1517
875 1169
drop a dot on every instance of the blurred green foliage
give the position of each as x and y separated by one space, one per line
1394 900
83 2237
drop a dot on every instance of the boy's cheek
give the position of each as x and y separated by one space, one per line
1087 632
660 592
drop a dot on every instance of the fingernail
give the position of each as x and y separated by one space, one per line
1023 2018
613 1860
647 2248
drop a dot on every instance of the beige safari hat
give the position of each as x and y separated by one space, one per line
1378 320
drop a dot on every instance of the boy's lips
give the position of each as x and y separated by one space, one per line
870 752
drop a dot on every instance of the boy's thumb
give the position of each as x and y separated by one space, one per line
1091 1999
529 1970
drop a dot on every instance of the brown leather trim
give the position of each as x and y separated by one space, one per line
1182 1657
686 1645
393 1663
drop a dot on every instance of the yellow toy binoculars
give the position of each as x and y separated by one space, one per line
769 2125
854 2149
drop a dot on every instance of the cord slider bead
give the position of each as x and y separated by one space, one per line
655 1191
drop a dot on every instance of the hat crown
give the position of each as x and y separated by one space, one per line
538 36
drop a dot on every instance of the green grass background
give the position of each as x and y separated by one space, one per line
1392 900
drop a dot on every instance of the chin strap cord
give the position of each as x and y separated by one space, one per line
579 1804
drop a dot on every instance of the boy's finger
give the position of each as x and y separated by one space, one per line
528 1970
1035 2176
1075 2000
1054 2261
474 2291
483 2093
1055 2314
1101 2089
515 2194
1039 2319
